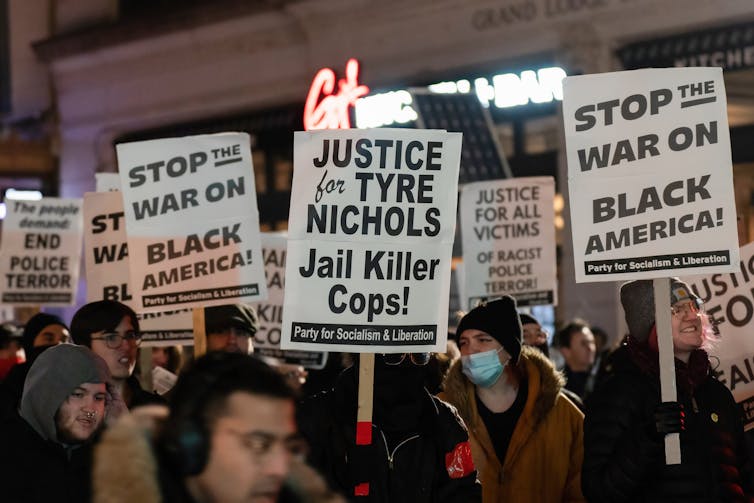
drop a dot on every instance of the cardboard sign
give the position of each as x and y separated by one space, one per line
270 312
508 233
649 174
729 303
41 252
192 221
370 241
106 248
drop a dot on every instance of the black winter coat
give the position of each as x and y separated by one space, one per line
415 471
625 462
33 470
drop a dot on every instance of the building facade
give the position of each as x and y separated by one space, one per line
131 72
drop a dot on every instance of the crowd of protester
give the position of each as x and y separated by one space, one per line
508 413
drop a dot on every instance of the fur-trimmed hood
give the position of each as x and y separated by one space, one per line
126 467
544 382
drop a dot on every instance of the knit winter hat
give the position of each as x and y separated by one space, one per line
638 301
498 318
527 318
35 325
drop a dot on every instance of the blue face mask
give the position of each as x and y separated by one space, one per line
483 369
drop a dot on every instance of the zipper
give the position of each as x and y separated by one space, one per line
391 455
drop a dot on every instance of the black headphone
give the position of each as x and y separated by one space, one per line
185 438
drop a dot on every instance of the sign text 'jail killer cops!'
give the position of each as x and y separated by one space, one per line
370 240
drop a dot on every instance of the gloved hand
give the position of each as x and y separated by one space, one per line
669 417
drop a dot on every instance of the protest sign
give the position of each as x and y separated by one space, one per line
192 221
105 248
370 240
270 312
108 275
729 304
106 182
508 233
649 174
41 251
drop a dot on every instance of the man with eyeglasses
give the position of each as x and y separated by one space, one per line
420 448
47 445
626 420
111 330
229 437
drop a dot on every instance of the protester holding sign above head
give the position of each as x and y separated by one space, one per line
46 446
526 436
41 332
419 450
626 421
230 328
111 330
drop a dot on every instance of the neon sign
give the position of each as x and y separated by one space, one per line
331 111
504 91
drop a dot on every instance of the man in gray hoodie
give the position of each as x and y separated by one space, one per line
46 447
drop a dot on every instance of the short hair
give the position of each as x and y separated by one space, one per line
99 316
202 390
564 335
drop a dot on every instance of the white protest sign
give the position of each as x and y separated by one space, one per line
192 221
108 272
270 312
41 251
106 182
508 233
167 328
649 174
105 248
370 240
729 303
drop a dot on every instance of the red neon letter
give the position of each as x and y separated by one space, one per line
332 111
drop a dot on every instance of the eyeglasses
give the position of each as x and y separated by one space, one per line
113 340
683 310
394 359
260 444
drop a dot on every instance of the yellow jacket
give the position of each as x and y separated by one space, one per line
543 461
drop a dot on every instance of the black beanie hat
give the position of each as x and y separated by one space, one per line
638 299
527 318
498 318
35 325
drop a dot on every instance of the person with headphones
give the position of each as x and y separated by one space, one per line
229 436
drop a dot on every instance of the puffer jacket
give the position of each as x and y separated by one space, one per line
543 461
625 462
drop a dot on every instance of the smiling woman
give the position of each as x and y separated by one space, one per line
627 420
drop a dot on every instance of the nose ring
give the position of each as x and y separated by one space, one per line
90 415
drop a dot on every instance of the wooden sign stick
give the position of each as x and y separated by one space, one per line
667 362
364 411
200 337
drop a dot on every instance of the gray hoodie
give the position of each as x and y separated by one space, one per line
55 374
